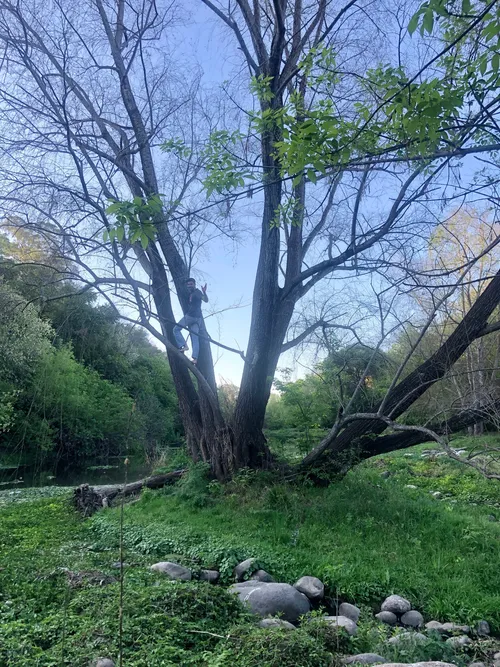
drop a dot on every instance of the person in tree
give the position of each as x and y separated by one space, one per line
192 318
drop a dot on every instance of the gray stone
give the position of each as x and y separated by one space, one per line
276 623
412 619
477 664
434 625
459 642
496 656
244 568
408 638
396 604
417 664
450 628
272 599
385 475
310 586
483 628
437 494
491 517
363 659
173 570
387 617
262 575
410 486
349 610
341 622
104 662
209 575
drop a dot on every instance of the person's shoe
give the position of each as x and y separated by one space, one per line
184 349
194 361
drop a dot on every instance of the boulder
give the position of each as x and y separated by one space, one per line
341 622
412 619
262 575
271 599
363 659
483 628
408 638
411 486
312 587
450 628
209 575
387 617
104 662
350 610
276 623
437 494
434 625
477 664
244 568
173 570
496 656
385 475
459 642
396 604
417 664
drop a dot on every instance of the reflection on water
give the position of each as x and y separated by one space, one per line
113 472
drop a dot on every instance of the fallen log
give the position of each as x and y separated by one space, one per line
89 499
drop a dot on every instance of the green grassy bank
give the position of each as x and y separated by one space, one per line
366 537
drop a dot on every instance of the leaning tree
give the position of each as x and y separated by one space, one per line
112 149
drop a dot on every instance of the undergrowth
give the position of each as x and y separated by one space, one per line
366 537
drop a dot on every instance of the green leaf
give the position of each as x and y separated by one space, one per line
144 241
413 24
120 233
105 236
297 180
428 22
311 175
495 62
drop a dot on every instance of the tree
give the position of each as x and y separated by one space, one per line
97 97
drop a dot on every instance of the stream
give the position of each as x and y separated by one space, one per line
23 476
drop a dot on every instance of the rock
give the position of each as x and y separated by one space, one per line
262 575
408 638
363 659
272 599
437 494
341 622
209 575
417 664
491 517
483 628
412 619
396 604
350 611
276 623
459 642
410 486
477 664
243 568
173 570
104 662
310 586
385 475
450 628
434 625
387 617
496 656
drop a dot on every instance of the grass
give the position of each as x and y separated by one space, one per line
366 537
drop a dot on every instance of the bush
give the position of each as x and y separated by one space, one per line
271 648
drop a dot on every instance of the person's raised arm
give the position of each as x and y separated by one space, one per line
204 293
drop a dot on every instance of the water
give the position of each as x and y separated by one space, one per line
27 475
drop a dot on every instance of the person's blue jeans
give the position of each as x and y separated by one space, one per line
193 324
